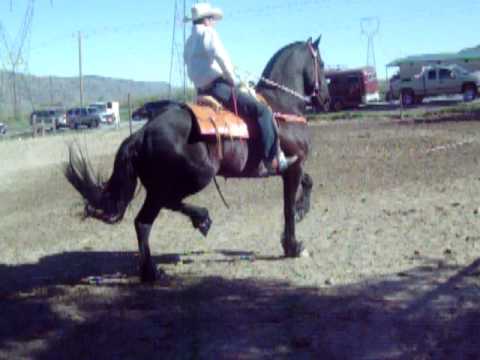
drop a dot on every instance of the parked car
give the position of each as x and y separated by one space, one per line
51 118
83 116
353 87
434 81
3 128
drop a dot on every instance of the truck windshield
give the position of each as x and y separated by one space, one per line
460 70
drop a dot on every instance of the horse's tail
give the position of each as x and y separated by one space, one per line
106 201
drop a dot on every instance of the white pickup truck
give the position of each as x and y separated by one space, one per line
435 81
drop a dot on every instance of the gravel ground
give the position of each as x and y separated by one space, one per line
393 235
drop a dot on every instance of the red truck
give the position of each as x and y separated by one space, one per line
351 88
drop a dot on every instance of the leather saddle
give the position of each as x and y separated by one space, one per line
214 120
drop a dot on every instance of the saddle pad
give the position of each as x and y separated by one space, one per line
219 123
290 118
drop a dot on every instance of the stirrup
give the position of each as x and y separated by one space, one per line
277 166
285 162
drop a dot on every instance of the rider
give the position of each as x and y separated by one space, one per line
211 71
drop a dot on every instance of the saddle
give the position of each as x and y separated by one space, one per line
214 120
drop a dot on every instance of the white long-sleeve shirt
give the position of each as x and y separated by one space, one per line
206 58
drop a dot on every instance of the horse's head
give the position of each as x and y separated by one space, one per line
294 78
314 77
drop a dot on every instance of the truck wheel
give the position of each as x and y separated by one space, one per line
469 93
407 97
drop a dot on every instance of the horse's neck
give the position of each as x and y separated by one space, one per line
281 100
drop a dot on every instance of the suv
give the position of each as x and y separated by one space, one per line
434 81
53 118
83 116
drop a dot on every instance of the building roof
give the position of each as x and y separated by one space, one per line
468 54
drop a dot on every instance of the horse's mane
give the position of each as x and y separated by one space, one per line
280 54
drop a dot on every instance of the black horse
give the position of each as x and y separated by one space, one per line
173 162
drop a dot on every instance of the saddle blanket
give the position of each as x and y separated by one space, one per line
224 123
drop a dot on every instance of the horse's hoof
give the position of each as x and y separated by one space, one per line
294 250
204 226
148 274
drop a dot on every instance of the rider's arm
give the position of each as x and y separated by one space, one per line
217 50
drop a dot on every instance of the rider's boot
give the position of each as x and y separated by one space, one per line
278 165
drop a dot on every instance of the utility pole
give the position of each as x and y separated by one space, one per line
14 88
80 67
184 41
50 90
172 52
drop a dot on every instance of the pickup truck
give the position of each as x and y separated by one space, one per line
77 117
434 81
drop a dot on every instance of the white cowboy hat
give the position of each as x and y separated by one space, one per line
203 10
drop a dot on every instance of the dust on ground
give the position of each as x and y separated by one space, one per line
393 235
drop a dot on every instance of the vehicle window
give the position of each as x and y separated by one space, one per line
334 81
432 75
83 111
353 80
444 74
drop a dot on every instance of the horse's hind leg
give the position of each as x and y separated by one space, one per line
143 225
302 203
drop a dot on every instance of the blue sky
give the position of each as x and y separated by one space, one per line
132 39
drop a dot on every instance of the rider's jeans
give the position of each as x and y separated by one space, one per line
250 108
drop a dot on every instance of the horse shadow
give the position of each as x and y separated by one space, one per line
71 268
214 317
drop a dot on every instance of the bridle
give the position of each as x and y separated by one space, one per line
316 88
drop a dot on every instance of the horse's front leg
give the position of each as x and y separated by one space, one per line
198 215
291 183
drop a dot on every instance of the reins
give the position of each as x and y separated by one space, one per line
286 89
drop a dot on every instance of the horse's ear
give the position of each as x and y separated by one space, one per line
317 42
309 40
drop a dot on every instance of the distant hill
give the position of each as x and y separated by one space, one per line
470 50
37 92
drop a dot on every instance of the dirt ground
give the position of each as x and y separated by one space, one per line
393 272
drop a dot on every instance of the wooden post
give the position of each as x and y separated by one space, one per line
42 124
401 105
34 125
129 113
